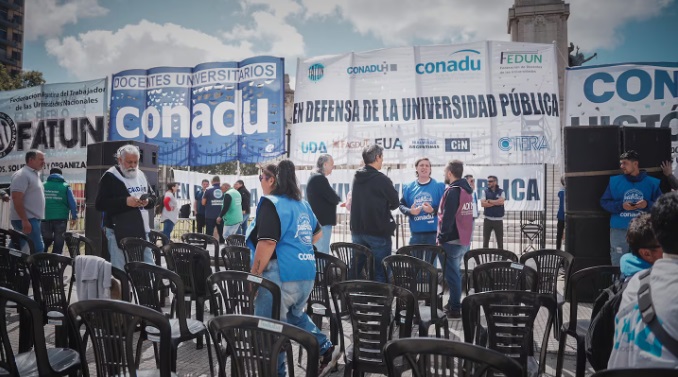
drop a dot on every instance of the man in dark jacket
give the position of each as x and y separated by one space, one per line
323 200
374 197
246 197
125 197
59 201
455 225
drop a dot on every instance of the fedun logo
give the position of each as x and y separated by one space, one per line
7 134
316 72
520 57
460 64
523 143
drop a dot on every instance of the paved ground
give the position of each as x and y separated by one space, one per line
194 362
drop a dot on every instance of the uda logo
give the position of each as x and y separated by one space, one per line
304 230
7 134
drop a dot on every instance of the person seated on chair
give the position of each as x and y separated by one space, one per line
635 344
644 247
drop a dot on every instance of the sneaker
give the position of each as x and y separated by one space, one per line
328 361
454 313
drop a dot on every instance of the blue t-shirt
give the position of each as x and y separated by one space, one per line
561 204
215 199
415 193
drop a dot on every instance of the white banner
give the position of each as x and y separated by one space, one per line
484 103
642 95
58 119
524 185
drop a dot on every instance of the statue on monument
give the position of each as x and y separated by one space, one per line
577 58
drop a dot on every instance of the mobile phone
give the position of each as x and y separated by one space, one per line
143 197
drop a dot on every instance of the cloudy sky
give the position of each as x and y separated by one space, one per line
73 40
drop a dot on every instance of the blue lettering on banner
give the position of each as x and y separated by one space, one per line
516 189
523 143
372 68
203 115
457 64
632 85
313 147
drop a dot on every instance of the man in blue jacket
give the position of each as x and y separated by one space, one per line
626 197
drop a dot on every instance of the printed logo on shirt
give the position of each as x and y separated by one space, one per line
304 230
633 196
217 194
305 256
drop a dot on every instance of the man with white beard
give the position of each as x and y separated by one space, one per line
125 198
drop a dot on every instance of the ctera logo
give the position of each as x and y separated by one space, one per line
316 72
8 134
520 57
462 60
523 143
372 68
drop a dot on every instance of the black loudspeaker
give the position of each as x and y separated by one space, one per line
94 231
587 238
592 148
103 154
582 194
652 144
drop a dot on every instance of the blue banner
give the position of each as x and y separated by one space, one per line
209 114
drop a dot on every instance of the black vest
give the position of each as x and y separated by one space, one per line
494 211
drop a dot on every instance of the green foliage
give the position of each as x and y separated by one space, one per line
25 79
228 168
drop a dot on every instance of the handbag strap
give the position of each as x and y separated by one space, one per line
649 315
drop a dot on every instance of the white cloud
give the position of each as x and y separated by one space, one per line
46 18
99 53
592 24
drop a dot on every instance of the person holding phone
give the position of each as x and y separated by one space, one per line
125 197
626 197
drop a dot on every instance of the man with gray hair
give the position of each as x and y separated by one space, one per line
374 197
124 196
323 200
27 208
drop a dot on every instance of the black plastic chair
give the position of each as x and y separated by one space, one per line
421 279
203 241
236 240
482 256
550 265
159 238
125 286
595 279
654 372
510 317
429 253
147 280
504 276
440 357
359 260
14 275
133 249
369 305
111 325
192 264
75 242
236 258
47 274
14 239
255 344
40 361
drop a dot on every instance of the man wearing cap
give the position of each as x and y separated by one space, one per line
626 197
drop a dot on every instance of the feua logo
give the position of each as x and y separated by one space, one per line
372 68
313 147
389 142
520 57
304 230
316 72
461 61
523 143
8 134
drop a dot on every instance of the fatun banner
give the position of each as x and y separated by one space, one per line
643 95
524 185
483 103
58 119
208 114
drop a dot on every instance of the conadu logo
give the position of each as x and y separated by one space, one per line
460 61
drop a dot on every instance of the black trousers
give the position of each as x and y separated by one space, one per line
199 223
560 228
210 224
498 227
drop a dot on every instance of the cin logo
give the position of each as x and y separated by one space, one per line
316 72
523 143
458 145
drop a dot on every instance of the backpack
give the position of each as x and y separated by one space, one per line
599 338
